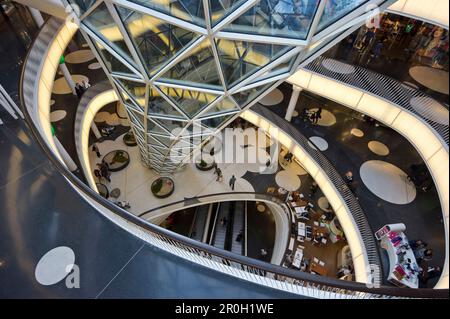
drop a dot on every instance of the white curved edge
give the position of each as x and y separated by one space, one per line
350 228
54 8
83 124
282 227
39 104
431 11
427 142
214 264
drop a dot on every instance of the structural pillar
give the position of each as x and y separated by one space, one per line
293 102
94 129
65 156
37 17
67 75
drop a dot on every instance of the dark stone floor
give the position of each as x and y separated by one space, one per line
260 232
423 217
64 129
393 61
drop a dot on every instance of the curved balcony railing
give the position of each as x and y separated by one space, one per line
384 87
261 273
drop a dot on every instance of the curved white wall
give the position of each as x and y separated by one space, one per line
428 143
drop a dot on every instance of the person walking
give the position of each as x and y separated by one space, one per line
423 254
104 170
317 116
232 182
288 157
218 172
78 90
86 84
98 174
96 150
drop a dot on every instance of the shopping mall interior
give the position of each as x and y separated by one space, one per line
224 149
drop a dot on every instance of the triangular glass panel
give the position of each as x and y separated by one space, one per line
240 59
182 144
222 8
102 23
82 5
245 97
198 68
285 18
166 140
158 106
196 129
187 10
152 127
156 40
129 102
215 122
189 101
136 118
154 142
162 149
135 89
112 63
223 106
282 68
139 133
156 154
336 10
171 125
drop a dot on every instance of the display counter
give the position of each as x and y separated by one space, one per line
403 268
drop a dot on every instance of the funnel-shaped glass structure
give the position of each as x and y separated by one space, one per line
184 69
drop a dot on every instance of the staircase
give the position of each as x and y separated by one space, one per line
238 226
220 232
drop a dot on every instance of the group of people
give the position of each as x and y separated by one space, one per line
310 117
102 171
424 254
218 172
420 42
82 87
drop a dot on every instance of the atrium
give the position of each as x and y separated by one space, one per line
224 149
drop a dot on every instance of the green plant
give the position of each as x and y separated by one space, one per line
119 157
203 163
157 186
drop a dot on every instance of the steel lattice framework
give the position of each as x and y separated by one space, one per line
185 69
